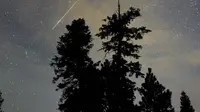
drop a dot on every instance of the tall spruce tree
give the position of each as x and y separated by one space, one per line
185 103
155 98
118 37
76 74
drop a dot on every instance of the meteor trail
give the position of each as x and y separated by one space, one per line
64 15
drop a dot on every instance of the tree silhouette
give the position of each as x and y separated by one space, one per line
75 72
117 37
1 102
155 98
185 103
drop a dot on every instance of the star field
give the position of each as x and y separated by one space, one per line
27 43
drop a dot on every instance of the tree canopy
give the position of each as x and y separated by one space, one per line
76 71
105 86
155 98
185 103
118 39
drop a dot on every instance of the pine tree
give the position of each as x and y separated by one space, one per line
1 102
155 98
76 74
117 37
185 103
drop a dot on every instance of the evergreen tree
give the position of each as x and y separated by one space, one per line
117 37
155 98
185 103
1 102
75 72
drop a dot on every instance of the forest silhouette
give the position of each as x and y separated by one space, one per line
105 86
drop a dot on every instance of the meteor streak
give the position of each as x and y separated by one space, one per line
64 15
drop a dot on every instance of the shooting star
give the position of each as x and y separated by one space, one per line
64 15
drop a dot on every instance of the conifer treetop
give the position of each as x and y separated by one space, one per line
186 103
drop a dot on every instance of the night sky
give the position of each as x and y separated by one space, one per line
27 44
